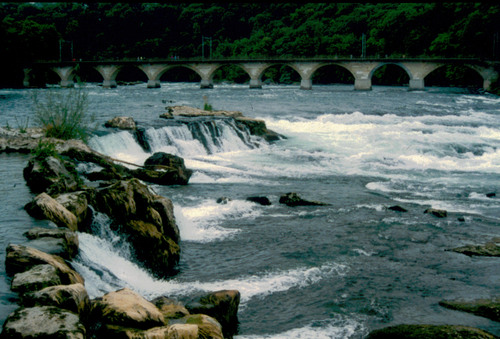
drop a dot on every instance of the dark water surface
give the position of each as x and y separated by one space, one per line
335 271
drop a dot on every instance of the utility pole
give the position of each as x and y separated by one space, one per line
363 45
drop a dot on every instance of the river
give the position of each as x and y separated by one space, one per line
335 271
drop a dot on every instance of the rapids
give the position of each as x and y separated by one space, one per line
335 271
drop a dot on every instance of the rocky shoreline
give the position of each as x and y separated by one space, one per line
52 297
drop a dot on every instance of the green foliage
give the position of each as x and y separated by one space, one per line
32 31
63 113
44 150
23 127
206 105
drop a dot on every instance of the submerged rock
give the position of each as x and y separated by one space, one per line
264 201
397 208
436 212
293 199
429 331
488 308
43 322
223 200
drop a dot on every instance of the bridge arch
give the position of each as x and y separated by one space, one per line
239 73
394 66
464 75
341 72
180 73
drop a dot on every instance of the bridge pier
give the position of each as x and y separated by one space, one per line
66 75
256 83
154 72
416 84
306 84
362 84
26 80
109 73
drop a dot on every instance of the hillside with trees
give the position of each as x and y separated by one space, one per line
103 31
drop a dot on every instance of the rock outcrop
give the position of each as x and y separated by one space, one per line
147 220
35 279
292 199
490 249
164 169
429 331
52 175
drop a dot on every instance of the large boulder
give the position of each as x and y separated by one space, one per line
169 168
221 305
429 331
35 279
125 123
44 206
43 322
126 308
22 258
488 308
66 239
146 219
293 199
51 175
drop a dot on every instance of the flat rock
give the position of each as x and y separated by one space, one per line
73 298
187 111
64 237
35 279
43 322
490 249
22 258
429 331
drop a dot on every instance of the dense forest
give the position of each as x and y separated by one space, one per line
101 31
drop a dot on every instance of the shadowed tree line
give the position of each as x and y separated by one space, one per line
102 31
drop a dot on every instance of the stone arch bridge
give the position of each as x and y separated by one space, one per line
361 69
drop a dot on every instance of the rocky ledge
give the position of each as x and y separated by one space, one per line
255 126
